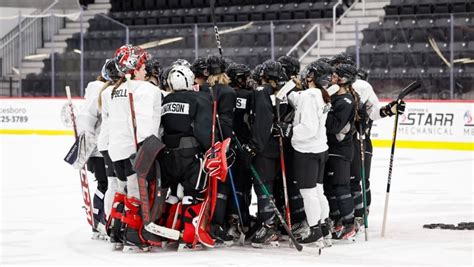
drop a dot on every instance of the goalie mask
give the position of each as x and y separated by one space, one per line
129 58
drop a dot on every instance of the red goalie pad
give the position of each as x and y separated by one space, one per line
216 160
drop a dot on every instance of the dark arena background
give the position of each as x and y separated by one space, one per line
48 45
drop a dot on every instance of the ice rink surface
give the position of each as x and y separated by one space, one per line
42 222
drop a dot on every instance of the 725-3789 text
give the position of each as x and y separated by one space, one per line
13 119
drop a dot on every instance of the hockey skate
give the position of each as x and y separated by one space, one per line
314 237
300 229
347 235
114 224
326 230
99 231
359 223
266 236
222 239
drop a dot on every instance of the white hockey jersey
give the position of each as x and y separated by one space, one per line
309 124
368 97
88 117
147 105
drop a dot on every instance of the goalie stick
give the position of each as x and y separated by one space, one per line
143 162
83 171
407 90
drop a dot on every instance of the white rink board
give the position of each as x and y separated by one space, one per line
434 121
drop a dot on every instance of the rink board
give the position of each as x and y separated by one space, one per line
425 124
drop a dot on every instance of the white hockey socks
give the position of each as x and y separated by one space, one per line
312 206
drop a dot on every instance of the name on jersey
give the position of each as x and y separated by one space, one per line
241 103
175 108
119 93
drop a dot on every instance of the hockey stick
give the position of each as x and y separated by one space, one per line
283 168
216 30
255 174
410 88
234 191
82 172
362 170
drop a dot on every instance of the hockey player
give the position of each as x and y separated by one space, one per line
239 74
291 67
187 123
263 151
225 98
308 138
340 128
112 75
88 124
125 138
370 109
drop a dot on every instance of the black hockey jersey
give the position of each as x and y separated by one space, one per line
340 125
241 123
187 113
226 98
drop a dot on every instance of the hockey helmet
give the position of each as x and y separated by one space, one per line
290 64
129 58
180 78
238 74
347 73
319 72
271 70
215 64
109 71
341 58
153 67
199 68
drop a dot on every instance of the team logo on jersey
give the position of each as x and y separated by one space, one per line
348 100
175 108
241 103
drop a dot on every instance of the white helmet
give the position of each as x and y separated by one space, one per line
180 78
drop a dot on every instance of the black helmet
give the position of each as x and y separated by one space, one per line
164 78
290 64
199 68
341 58
215 64
347 73
110 71
362 74
238 74
320 72
153 67
272 70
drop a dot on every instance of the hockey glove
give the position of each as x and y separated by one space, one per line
247 154
282 129
392 108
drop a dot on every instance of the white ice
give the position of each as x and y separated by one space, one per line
42 222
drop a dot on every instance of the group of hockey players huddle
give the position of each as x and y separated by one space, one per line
303 143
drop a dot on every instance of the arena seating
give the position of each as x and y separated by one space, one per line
156 20
397 49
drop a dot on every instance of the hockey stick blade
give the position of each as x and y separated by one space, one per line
162 231
409 89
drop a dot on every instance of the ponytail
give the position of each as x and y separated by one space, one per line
326 96
356 97
107 84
